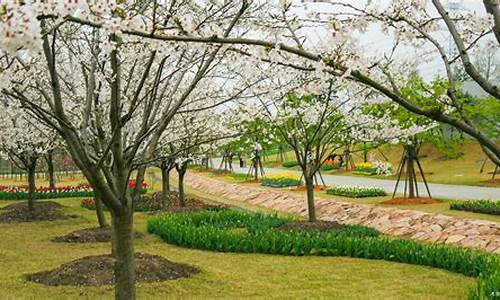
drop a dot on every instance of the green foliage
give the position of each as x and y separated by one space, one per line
478 206
329 167
356 191
234 231
290 164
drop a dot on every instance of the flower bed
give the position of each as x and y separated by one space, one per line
356 191
21 192
232 231
478 206
281 180
154 202
365 169
290 164
329 165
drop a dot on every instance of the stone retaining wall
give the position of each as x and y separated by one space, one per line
405 223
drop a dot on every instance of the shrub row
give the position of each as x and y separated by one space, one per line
212 231
356 191
478 206
290 164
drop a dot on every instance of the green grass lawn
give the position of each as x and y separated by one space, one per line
26 248
464 170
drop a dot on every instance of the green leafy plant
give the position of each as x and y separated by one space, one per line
478 206
356 191
290 164
235 231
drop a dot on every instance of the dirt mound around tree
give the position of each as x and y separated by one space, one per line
90 235
43 211
44 204
98 270
411 201
310 226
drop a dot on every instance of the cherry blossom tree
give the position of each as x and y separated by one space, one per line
24 141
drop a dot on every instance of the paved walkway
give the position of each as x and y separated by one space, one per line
405 223
440 191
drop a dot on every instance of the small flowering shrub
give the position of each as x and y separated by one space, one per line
478 206
356 191
143 204
329 165
281 180
290 164
21 192
365 169
144 186
383 168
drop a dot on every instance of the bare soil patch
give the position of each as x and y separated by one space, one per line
411 201
98 270
90 235
310 226
43 211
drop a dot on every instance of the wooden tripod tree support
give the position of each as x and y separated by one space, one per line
348 160
227 161
494 171
407 163
316 175
256 167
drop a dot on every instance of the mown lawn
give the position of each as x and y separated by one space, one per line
463 170
26 248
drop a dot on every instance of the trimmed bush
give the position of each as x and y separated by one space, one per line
232 231
290 164
281 180
356 191
478 206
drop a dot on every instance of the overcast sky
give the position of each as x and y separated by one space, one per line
377 42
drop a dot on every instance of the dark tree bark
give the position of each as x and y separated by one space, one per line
182 172
165 182
31 185
50 169
309 181
123 251
99 210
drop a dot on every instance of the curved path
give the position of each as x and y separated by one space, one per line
438 190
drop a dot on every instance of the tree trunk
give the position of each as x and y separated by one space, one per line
165 184
410 170
99 210
182 172
50 170
31 186
123 252
310 198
